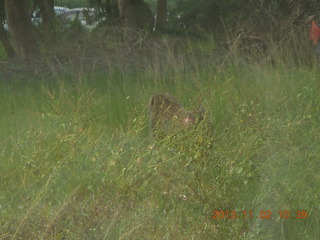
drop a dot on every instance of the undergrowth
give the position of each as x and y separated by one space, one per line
77 161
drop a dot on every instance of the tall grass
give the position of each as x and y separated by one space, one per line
76 160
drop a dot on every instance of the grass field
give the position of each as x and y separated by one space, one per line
76 161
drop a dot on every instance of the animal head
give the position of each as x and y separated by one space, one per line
167 115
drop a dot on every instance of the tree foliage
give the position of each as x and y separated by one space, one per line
211 15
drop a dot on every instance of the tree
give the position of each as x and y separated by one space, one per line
20 28
161 15
47 12
3 33
136 14
106 8
6 43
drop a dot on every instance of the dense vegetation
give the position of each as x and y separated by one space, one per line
76 160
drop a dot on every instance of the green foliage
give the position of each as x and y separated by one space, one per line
216 16
204 16
105 9
76 160
71 3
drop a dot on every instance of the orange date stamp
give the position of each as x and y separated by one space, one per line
261 214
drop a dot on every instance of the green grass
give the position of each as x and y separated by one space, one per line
76 161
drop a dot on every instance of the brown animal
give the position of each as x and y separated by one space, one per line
167 115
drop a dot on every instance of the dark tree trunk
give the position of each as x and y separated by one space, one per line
50 4
161 15
47 11
20 28
6 43
136 14
3 34
143 15
127 14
